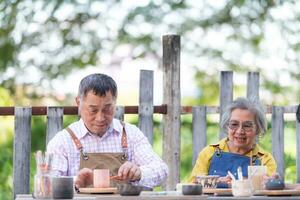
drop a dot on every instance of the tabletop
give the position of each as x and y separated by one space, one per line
119 197
163 196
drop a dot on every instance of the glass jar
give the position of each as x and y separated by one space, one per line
42 186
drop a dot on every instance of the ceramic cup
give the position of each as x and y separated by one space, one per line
101 178
242 188
179 188
255 174
62 187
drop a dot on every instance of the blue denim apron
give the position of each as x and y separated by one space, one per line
222 162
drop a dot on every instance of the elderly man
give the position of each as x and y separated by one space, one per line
98 140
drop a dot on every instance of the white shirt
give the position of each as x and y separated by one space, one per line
66 157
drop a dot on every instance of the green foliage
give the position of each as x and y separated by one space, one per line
209 86
5 98
58 37
6 169
55 41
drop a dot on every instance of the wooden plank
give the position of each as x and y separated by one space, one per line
226 94
146 104
278 138
171 97
216 109
148 195
277 192
73 110
199 131
161 109
92 190
253 85
54 121
298 150
22 149
209 109
119 114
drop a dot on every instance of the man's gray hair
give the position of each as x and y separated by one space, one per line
254 106
100 84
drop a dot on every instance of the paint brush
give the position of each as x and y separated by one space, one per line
239 172
118 178
231 175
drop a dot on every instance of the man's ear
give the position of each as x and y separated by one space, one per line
77 99
78 102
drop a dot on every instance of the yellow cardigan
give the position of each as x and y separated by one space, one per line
203 161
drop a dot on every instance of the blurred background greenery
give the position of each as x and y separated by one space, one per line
44 43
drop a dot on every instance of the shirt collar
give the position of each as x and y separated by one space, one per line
223 146
114 127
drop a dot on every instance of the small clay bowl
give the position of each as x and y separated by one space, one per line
130 190
274 184
192 189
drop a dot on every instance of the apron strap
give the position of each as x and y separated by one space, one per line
85 156
124 141
253 158
77 143
217 149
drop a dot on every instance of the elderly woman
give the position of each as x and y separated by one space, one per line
244 122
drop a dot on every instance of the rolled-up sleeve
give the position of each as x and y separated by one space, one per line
59 163
153 169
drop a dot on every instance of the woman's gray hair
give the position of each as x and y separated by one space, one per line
100 84
253 106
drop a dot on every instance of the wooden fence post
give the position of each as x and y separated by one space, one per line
22 149
298 150
278 138
199 130
119 114
226 94
171 97
253 85
146 104
54 121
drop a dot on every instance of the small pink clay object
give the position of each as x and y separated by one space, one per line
101 178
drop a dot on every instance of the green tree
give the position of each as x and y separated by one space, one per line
50 39
41 41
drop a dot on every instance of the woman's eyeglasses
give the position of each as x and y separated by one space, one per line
246 126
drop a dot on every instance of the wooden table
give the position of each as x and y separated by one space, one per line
162 196
119 197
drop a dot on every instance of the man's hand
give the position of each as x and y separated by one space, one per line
129 171
84 178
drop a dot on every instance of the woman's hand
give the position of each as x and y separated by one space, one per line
267 178
225 179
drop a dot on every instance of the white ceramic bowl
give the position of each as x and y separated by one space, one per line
208 181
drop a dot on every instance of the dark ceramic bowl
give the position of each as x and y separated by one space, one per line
131 190
192 189
62 187
274 184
